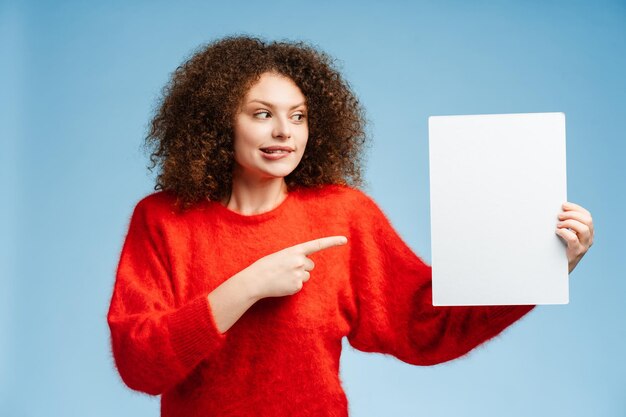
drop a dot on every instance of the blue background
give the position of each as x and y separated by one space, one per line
78 83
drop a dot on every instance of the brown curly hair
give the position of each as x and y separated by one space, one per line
191 133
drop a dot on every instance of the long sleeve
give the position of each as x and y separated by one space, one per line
156 342
393 298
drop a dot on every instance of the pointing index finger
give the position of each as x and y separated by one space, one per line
317 245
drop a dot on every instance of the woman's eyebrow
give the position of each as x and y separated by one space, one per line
265 103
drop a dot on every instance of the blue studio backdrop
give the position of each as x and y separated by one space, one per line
79 81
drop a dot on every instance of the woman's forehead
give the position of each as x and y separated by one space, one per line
275 89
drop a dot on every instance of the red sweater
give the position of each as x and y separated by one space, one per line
281 358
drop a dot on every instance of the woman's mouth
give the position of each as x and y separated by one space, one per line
276 149
276 152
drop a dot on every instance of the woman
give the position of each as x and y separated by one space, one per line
239 279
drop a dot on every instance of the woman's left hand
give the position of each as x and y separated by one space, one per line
575 227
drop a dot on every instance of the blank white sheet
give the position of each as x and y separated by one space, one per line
497 183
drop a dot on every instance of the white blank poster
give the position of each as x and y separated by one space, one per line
497 183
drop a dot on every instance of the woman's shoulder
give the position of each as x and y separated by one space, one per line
339 200
156 205
158 199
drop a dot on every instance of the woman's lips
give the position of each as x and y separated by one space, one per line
275 155
276 152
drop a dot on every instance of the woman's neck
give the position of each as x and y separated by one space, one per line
250 197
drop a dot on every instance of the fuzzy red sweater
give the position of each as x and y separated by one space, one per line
281 358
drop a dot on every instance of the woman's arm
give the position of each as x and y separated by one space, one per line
156 341
230 300
392 292
279 274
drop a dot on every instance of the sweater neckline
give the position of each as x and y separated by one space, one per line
254 218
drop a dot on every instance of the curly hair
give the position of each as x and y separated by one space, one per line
191 133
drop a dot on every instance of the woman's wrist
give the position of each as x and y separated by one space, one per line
249 286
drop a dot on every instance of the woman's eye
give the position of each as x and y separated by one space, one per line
266 114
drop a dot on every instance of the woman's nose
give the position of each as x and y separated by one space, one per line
282 129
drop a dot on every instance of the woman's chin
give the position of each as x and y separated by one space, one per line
273 174
278 171
278 175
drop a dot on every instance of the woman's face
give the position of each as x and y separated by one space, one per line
270 129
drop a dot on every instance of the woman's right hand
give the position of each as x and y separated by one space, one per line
285 272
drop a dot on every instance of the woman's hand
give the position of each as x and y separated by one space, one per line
285 272
575 227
